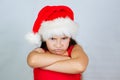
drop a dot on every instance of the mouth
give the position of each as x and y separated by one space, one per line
58 51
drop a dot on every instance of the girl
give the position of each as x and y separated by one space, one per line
59 56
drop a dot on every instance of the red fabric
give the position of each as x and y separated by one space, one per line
51 12
40 74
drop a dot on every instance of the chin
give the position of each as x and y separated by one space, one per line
59 52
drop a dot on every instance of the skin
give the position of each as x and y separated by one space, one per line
58 44
57 59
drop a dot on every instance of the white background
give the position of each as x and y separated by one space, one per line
99 35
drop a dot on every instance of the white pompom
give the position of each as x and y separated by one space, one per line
33 38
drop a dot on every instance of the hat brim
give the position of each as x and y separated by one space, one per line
58 26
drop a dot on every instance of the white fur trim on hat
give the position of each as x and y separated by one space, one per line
58 26
33 38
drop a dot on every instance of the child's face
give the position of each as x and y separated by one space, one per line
58 44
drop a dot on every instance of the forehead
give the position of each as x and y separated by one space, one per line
44 38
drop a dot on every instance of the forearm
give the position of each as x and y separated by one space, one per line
65 66
77 64
43 59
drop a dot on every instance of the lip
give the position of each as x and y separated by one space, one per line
58 51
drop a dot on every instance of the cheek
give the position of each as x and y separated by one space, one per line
66 44
49 45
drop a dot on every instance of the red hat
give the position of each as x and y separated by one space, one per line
52 20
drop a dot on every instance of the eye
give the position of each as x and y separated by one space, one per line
64 38
52 38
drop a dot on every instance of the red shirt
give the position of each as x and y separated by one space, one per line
40 74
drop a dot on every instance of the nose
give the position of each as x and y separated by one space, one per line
58 43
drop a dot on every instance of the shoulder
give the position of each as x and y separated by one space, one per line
75 47
78 47
77 51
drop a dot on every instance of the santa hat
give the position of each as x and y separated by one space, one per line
53 20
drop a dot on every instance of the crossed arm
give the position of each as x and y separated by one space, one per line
77 63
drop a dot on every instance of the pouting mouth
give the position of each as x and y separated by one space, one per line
58 51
